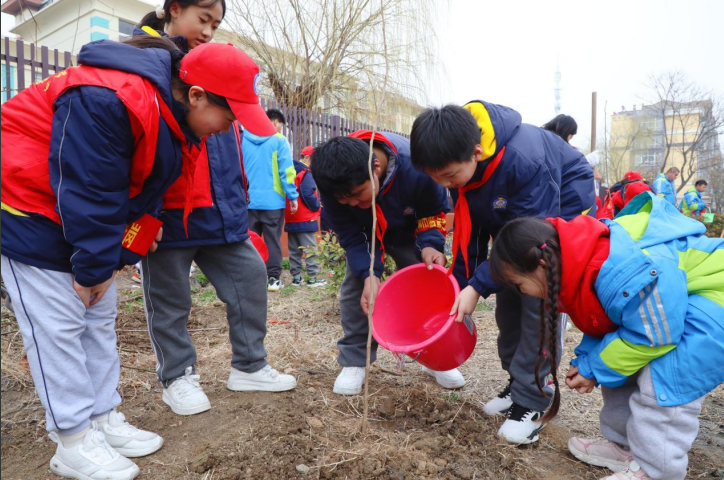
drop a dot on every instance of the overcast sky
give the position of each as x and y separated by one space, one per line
507 52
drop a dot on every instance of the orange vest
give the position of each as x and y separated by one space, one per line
303 213
26 130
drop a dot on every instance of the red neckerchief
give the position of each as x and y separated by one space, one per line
463 227
188 158
382 221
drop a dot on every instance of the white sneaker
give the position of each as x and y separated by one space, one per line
448 379
185 395
522 425
274 284
600 452
501 403
126 439
90 458
266 380
349 381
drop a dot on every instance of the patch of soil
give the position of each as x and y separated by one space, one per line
417 430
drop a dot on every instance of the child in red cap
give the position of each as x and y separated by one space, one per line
87 155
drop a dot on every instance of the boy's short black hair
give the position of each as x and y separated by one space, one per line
701 182
441 136
339 165
275 114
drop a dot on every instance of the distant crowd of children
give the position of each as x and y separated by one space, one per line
157 151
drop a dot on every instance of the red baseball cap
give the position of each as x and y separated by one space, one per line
225 70
307 151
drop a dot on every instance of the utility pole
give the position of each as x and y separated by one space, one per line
557 90
593 121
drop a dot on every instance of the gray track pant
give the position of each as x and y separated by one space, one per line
659 437
269 223
518 319
71 351
302 239
353 345
237 272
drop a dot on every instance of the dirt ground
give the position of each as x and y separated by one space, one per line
417 429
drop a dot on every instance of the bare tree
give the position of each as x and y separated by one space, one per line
690 118
619 151
329 54
715 177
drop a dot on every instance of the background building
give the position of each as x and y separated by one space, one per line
659 136
67 25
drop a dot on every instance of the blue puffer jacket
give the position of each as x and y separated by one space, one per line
91 177
407 196
663 285
268 164
539 175
227 221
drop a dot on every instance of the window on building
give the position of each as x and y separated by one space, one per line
652 124
647 160
125 30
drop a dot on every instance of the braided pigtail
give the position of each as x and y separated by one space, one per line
551 256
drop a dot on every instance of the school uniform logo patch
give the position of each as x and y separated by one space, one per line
409 211
500 203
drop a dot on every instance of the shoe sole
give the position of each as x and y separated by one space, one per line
140 452
247 386
532 438
596 461
62 470
346 391
185 411
449 386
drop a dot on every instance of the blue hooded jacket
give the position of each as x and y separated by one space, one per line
268 163
539 175
663 285
663 187
405 197
89 165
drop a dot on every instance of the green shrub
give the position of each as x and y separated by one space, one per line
714 228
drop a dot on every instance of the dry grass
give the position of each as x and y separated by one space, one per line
417 429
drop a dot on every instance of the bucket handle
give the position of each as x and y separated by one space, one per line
400 360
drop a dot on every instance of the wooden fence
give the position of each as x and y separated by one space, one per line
24 64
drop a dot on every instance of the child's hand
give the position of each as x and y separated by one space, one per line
580 383
369 285
431 256
293 206
92 295
465 303
158 238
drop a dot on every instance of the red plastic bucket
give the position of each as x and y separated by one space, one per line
412 317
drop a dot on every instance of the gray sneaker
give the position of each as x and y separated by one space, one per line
316 282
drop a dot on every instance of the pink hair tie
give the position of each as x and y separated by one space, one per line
543 246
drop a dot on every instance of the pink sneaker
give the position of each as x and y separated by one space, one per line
600 452
633 472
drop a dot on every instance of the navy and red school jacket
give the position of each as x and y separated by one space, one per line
90 166
412 204
219 213
538 175
306 218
